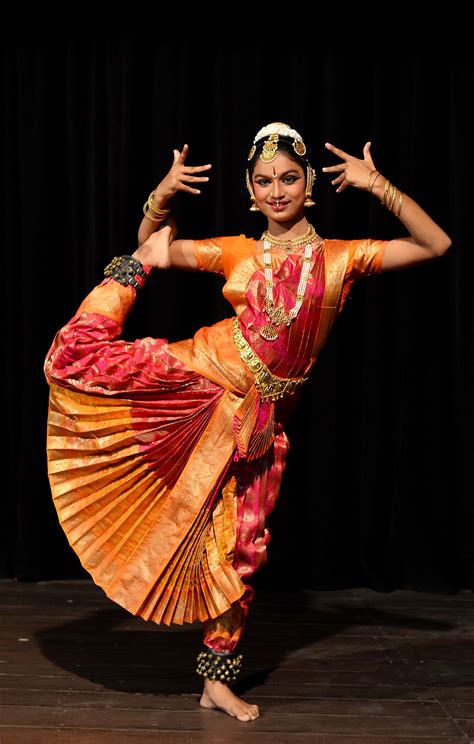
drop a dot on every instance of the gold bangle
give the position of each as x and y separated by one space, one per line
400 204
389 198
370 176
153 208
393 197
373 182
153 219
162 214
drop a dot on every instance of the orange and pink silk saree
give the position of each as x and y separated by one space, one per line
164 461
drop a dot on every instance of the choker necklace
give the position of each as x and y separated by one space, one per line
277 315
291 245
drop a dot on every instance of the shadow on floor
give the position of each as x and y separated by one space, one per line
117 651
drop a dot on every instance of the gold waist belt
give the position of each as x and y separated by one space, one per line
268 385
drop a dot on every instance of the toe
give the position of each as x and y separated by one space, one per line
245 717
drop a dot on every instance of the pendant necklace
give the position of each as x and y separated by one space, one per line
277 315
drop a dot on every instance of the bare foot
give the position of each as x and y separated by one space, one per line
218 695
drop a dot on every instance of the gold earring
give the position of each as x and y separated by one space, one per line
310 176
254 207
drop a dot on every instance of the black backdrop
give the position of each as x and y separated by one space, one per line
378 490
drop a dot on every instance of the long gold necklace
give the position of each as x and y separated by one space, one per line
277 315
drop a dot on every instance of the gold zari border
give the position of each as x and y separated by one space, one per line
268 385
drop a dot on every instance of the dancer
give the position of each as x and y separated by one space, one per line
165 459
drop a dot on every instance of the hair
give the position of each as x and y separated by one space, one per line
284 145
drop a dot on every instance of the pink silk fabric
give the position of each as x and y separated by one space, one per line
289 355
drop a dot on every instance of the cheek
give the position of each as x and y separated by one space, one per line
299 193
300 188
260 191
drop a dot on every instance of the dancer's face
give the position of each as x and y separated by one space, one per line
279 188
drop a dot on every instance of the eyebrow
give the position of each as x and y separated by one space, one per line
262 175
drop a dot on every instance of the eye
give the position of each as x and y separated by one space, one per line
291 179
263 182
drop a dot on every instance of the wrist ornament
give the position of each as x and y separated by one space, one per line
128 271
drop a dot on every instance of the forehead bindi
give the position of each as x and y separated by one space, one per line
280 167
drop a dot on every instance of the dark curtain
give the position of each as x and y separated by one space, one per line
378 490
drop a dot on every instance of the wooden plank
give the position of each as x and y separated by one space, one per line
454 633
122 684
202 719
454 694
123 701
66 736
193 685
460 710
466 726
108 699
437 651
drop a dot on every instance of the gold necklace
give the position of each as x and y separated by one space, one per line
291 245
277 315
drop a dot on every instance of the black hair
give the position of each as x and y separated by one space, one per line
285 144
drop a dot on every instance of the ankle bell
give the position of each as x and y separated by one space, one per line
221 666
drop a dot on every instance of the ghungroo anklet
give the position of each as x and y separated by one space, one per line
127 270
221 666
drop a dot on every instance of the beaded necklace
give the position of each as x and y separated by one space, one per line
277 315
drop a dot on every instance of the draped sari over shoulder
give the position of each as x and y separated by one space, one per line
149 442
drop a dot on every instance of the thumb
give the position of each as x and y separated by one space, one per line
367 155
176 156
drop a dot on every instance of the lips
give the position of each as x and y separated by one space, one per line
278 206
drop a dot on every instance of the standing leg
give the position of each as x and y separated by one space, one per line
258 486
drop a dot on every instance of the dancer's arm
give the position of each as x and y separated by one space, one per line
427 240
180 177
179 254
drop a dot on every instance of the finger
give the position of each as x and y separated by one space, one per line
367 155
342 187
339 179
337 151
190 190
196 168
183 154
194 179
176 156
334 168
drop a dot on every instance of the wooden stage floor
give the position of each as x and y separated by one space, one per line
324 666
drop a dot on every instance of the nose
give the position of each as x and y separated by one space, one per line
276 191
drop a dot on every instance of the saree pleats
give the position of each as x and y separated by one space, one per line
138 517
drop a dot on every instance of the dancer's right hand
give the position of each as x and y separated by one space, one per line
180 177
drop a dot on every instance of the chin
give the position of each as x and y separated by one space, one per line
285 216
279 216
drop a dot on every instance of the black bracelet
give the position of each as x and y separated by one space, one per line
126 270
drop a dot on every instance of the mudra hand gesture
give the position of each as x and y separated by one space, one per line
353 171
180 177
